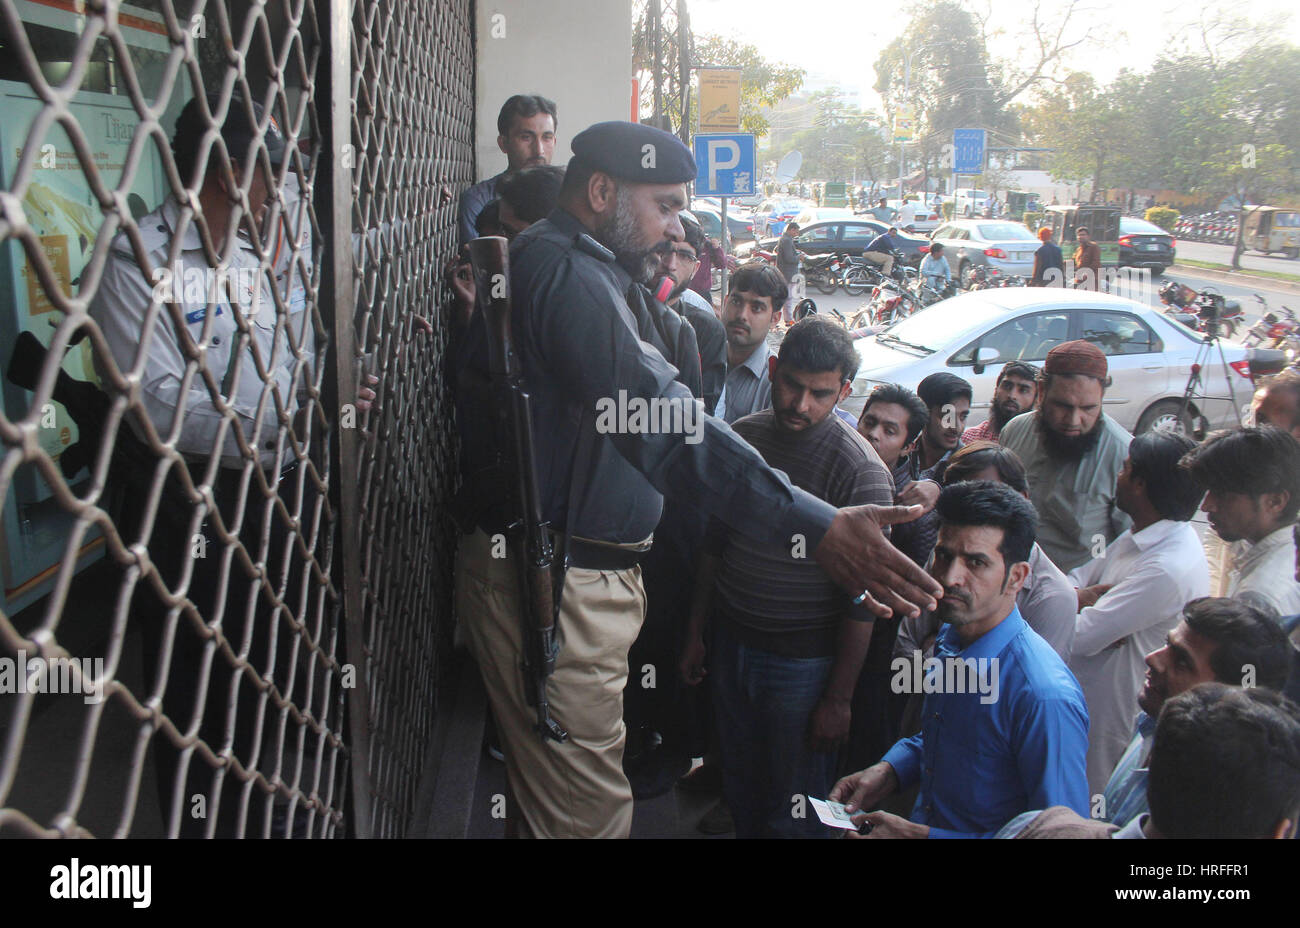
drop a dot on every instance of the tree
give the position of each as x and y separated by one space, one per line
762 83
1078 123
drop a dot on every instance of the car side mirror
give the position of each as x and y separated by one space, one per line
985 356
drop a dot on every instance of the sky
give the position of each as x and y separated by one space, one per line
837 42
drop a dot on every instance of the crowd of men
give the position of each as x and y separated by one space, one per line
1007 629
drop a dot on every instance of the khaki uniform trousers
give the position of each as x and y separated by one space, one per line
575 789
884 261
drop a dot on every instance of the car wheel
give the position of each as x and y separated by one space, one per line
1166 416
965 271
1292 253
1157 270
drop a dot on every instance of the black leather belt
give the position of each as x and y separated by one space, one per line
590 556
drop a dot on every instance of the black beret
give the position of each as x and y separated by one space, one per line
630 151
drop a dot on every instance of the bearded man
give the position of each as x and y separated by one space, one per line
579 347
1073 453
1016 391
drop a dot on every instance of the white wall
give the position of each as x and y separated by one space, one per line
575 52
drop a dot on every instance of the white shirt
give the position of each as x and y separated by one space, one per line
1154 573
122 304
906 214
1264 572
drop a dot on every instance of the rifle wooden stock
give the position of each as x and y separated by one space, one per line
530 536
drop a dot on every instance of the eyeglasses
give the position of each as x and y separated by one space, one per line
686 255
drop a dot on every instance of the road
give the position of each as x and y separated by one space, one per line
1222 254
1145 291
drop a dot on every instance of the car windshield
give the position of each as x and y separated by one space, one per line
1005 231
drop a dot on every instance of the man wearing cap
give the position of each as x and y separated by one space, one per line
600 486
526 136
1073 453
167 311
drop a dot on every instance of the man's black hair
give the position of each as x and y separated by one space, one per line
1251 461
1079 229
1245 637
488 221
533 192
941 388
524 106
937 246
917 412
1022 369
1171 489
1225 763
576 176
694 232
981 503
816 345
761 279
978 456
1288 381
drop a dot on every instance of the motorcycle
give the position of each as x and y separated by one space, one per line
825 272
1207 312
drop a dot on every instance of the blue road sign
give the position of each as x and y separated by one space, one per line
726 165
969 150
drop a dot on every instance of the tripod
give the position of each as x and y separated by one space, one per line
1196 384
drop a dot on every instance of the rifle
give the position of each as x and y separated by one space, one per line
540 582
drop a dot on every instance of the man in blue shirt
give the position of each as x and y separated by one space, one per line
526 136
881 251
1004 727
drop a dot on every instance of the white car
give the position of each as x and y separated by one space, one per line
968 202
1150 355
927 218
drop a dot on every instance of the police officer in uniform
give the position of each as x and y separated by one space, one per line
578 345
154 318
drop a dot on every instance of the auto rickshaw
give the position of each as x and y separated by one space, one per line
1271 228
1102 223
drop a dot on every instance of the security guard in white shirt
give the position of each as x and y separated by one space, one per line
175 321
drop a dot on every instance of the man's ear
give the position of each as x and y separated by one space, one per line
602 193
501 144
1016 579
845 389
1274 503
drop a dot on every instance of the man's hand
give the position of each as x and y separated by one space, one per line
460 275
859 558
923 493
1089 595
888 825
865 788
366 396
691 664
829 726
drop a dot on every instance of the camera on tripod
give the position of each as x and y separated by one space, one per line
1212 309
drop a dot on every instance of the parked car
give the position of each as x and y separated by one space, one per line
972 335
927 218
968 202
850 236
771 215
740 225
1144 244
1002 246
812 214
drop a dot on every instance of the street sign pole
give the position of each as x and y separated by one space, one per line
725 251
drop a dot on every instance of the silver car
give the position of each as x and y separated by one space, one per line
1150 355
998 244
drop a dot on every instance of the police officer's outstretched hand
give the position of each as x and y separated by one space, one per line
856 554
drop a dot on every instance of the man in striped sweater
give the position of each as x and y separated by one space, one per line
786 645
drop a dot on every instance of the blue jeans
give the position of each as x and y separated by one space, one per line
763 703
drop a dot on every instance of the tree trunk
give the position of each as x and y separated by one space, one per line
1239 246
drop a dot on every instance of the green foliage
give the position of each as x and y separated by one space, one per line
762 83
948 208
1162 216
1031 220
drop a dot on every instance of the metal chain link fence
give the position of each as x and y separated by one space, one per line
225 581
